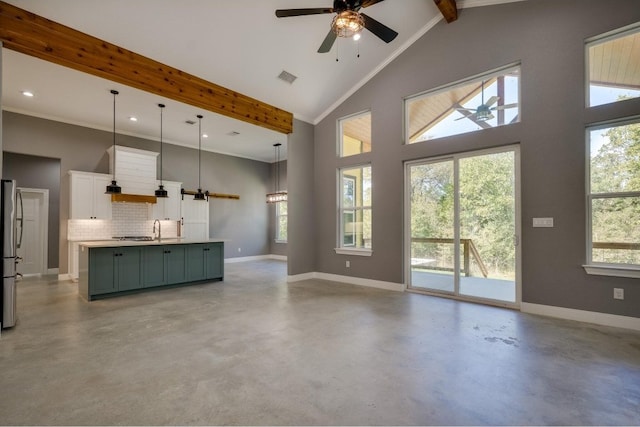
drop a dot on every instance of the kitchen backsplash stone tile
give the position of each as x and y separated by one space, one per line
128 219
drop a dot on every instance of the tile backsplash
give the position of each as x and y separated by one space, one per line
128 219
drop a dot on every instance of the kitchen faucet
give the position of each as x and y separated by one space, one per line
159 229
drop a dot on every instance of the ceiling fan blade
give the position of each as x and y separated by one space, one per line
465 110
470 116
504 107
327 44
385 33
367 3
492 101
284 13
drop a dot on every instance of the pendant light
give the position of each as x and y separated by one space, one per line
277 196
199 195
161 192
114 188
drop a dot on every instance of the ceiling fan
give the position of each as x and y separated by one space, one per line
484 110
347 22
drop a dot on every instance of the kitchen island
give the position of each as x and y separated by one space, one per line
116 267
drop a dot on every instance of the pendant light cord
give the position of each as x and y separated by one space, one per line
199 148
114 92
161 108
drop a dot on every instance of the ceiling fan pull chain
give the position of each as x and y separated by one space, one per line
337 49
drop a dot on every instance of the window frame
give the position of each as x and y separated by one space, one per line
278 216
594 267
452 85
600 39
340 133
341 247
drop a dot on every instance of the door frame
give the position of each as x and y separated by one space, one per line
515 148
43 194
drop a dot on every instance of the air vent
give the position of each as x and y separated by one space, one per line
190 122
287 77
233 133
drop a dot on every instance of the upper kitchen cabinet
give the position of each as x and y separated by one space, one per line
168 208
88 199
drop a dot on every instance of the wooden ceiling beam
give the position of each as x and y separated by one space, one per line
33 35
448 9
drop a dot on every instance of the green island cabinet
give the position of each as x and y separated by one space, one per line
111 271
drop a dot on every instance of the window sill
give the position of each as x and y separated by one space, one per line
280 241
354 251
609 270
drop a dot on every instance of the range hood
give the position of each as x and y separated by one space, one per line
133 198
136 174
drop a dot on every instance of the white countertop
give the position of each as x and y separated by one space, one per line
167 241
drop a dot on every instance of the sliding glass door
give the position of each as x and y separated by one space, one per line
462 225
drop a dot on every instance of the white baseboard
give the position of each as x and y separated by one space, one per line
390 286
300 277
603 319
255 258
65 276
53 271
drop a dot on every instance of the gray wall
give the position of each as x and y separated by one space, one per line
276 248
547 36
242 221
39 172
301 257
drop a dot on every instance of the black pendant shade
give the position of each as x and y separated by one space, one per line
199 195
161 192
114 188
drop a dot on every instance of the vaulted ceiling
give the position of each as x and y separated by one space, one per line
239 44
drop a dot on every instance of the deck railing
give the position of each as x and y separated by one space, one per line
468 250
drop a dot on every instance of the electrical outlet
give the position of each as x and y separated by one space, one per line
347 263
618 293
239 250
543 222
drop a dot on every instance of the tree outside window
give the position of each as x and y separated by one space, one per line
355 208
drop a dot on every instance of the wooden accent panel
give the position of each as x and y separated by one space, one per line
33 35
448 9
133 198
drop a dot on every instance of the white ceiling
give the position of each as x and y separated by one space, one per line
238 44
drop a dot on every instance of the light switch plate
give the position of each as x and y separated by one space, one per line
543 222
618 293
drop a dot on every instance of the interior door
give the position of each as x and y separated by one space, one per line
32 249
463 225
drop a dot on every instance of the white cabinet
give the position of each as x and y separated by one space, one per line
168 209
87 197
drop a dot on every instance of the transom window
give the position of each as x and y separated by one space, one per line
354 134
613 62
613 194
482 102
355 208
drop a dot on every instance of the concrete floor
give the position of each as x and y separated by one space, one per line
256 350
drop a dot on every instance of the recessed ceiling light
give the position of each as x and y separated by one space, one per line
133 119
27 94
204 135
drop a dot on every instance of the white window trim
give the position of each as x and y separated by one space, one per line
347 250
603 38
278 223
339 132
595 268
353 251
448 86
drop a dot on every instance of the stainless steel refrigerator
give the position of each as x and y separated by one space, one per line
10 230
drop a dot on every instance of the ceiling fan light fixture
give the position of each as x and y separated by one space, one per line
483 113
347 23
